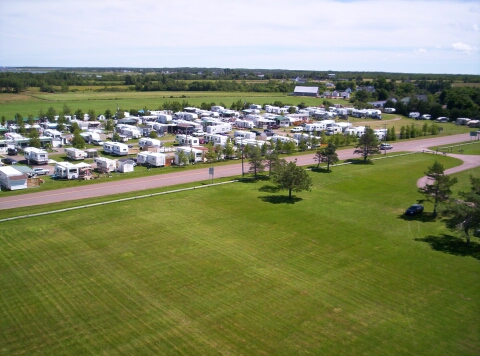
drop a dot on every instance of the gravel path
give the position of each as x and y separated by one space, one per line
469 161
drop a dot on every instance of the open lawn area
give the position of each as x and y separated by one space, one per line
465 148
238 269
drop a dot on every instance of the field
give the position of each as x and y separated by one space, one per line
466 148
237 269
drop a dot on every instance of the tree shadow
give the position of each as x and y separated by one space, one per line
280 199
452 245
321 170
269 189
358 161
253 179
423 217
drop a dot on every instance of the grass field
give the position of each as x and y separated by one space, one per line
466 148
237 270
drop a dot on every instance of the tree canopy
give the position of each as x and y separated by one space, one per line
289 176
439 190
367 144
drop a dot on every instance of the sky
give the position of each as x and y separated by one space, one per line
406 36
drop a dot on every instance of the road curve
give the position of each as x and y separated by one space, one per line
180 177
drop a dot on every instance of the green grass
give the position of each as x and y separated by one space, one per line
234 270
466 148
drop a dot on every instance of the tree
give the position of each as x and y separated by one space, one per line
271 160
289 176
91 115
108 114
439 191
182 158
66 109
367 144
78 141
34 138
51 113
255 160
3 120
327 154
116 137
109 125
464 213
79 114
153 134
228 150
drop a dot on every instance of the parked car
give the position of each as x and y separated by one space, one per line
414 210
12 151
424 117
442 119
268 132
258 133
41 171
297 129
386 146
9 161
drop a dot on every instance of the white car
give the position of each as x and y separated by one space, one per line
297 129
40 171
386 146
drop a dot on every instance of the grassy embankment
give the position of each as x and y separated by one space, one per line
236 269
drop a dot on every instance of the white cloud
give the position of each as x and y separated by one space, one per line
421 50
475 27
462 47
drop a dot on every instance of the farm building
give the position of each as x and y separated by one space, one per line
305 91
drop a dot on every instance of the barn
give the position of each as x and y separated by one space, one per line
306 91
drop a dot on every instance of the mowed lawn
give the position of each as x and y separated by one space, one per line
236 270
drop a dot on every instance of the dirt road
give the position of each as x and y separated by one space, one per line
137 184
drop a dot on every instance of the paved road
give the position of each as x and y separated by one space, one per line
136 184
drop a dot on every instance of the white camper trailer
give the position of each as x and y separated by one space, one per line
193 154
216 139
144 143
106 165
75 154
155 159
245 124
35 155
219 128
66 170
115 148
245 134
12 179
187 140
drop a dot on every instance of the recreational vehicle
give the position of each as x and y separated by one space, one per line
106 165
75 154
216 139
245 134
35 155
66 170
115 148
194 155
144 143
155 159
187 140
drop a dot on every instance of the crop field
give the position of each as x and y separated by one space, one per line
238 269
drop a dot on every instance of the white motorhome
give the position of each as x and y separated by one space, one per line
35 155
332 130
414 115
144 143
75 153
249 142
142 157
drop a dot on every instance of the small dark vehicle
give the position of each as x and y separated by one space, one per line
9 161
12 151
414 210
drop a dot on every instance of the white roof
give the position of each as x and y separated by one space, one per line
311 90
10 171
